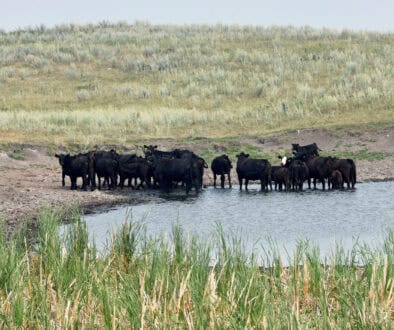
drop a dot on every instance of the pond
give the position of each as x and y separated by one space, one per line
323 217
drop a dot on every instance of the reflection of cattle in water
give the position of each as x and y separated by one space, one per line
221 165
75 167
253 169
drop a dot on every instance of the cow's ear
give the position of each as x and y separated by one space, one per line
145 146
246 155
280 157
57 155
155 147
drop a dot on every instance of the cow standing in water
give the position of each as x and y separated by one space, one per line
335 180
298 171
253 169
221 165
347 168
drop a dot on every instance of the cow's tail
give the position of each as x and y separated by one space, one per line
353 172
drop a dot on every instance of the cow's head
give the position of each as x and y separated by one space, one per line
62 159
225 157
295 146
242 155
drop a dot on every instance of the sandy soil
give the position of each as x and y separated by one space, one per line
29 184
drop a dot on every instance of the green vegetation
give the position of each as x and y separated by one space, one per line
144 282
120 84
360 154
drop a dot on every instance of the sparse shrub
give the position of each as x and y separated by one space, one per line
82 95
64 58
351 68
35 61
241 56
143 93
164 91
72 73
124 89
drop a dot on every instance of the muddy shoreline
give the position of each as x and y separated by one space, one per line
34 182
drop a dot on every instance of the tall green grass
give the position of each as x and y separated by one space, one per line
143 282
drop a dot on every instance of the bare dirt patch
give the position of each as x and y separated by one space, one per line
29 184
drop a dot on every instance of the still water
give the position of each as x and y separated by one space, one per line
324 218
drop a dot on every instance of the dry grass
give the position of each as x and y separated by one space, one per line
119 83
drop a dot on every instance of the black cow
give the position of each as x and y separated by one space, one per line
221 165
310 149
74 167
335 180
137 169
253 169
281 177
152 150
298 171
320 168
169 170
105 164
347 167
198 164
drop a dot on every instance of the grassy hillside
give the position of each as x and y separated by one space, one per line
98 84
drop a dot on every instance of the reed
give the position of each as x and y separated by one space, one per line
182 281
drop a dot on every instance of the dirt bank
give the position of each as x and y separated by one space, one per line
29 184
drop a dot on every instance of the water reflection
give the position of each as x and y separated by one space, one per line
324 218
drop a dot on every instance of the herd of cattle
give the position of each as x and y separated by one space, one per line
168 169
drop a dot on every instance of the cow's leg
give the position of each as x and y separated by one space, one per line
73 182
113 181
246 184
309 183
214 180
63 180
84 180
188 187
229 179
314 183
240 182
99 182
222 180
323 182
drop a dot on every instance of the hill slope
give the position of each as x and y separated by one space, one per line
124 83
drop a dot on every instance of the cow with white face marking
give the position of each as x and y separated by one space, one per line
298 171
